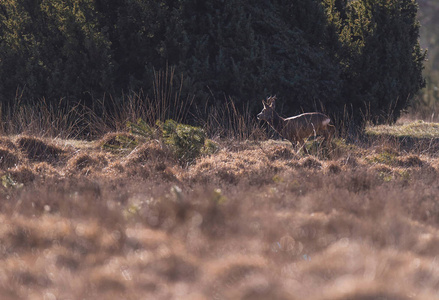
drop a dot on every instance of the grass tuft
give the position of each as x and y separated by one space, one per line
411 161
22 174
8 159
82 161
311 163
150 152
38 150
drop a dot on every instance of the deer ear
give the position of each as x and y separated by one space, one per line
263 103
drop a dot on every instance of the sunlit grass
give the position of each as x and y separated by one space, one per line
416 129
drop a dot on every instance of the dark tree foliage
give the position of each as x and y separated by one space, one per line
52 49
250 49
357 58
429 19
383 65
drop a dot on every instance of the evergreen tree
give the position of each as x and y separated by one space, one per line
383 62
52 49
250 50
429 19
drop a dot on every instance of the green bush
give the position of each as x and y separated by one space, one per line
186 142
141 128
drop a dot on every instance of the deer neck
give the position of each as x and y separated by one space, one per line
277 122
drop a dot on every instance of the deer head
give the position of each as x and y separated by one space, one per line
267 113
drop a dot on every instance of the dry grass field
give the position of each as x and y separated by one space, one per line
255 220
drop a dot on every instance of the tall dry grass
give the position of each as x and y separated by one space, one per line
165 103
109 114
67 120
42 119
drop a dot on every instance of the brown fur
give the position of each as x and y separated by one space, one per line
297 128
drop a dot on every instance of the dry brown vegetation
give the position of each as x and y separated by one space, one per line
255 220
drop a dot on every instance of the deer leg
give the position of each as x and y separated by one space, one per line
301 144
329 134
326 136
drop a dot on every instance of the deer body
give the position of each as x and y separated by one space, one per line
297 128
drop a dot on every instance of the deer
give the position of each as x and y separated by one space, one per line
297 128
